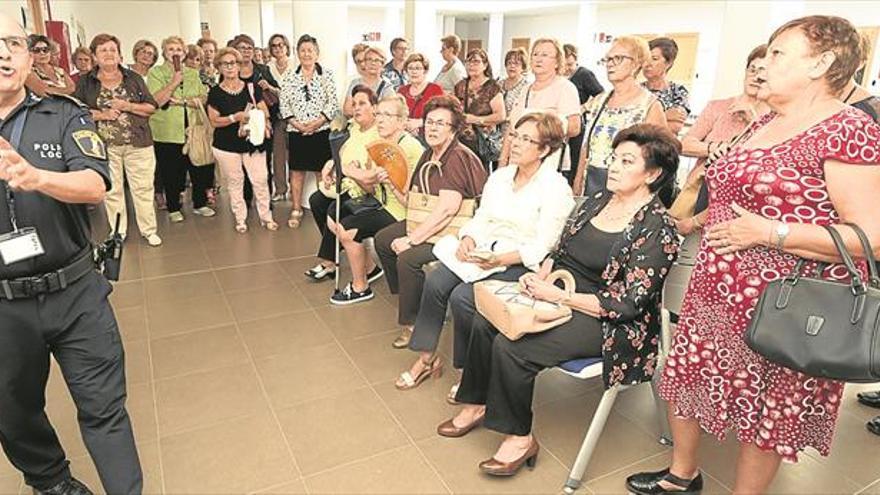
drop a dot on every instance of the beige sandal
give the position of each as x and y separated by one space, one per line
295 219
402 340
432 368
450 398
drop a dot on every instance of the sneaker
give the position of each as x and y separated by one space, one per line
376 274
350 296
175 217
279 197
204 211
154 240
70 486
320 272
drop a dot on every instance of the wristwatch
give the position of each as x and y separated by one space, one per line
782 231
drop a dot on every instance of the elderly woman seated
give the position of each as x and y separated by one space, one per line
522 212
619 246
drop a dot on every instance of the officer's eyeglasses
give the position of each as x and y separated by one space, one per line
40 49
228 64
515 136
436 123
15 44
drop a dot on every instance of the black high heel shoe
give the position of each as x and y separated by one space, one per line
649 483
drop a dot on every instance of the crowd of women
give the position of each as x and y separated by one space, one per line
515 196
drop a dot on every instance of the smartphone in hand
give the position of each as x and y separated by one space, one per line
175 60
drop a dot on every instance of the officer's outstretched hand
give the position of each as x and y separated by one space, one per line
16 171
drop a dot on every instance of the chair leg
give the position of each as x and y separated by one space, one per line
665 434
591 439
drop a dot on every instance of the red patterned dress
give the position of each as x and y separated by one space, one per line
711 374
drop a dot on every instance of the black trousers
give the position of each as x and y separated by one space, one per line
173 165
77 326
501 373
405 273
367 223
574 150
442 288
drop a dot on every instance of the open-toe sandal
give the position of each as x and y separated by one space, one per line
432 368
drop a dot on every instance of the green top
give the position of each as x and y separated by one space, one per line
167 123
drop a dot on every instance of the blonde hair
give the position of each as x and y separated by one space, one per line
226 50
376 50
140 45
416 57
399 101
637 48
560 54
193 51
172 40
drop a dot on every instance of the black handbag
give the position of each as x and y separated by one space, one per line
822 328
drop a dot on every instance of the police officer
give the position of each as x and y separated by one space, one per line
52 299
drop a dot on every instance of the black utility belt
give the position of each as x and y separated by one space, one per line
28 287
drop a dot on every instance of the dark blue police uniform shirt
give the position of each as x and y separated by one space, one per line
59 135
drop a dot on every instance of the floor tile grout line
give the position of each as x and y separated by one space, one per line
346 464
390 412
153 387
262 386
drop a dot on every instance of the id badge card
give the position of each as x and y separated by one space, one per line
20 245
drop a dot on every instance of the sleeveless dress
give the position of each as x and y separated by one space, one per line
711 373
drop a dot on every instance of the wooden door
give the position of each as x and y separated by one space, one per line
523 43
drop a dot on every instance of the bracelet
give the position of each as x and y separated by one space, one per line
566 298
770 237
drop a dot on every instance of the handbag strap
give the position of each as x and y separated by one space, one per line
423 175
857 283
869 254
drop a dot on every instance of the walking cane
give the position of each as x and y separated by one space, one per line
337 169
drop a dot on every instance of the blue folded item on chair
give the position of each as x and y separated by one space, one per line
578 365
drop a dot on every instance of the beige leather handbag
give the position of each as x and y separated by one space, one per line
515 314
421 203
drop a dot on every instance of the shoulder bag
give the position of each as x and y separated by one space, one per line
822 328
199 137
488 142
420 204
515 314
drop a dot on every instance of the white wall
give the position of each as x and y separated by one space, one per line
561 25
128 21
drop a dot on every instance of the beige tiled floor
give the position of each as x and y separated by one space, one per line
243 379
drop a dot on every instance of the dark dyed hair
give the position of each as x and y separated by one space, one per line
395 42
450 103
33 39
668 47
102 38
363 88
549 129
479 52
520 54
659 148
570 50
242 38
827 33
759 51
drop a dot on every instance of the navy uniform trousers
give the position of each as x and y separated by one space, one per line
77 326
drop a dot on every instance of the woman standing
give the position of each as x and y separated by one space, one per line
177 90
516 63
483 104
46 78
710 136
608 113
374 61
208 73
279 66
418 91
229 104
145 55
121 106
308 104
821 156
673 96
550 92
453 70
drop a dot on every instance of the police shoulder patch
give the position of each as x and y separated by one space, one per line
90 143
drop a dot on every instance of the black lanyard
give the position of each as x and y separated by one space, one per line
17 129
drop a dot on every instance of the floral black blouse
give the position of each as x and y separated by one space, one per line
637 267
